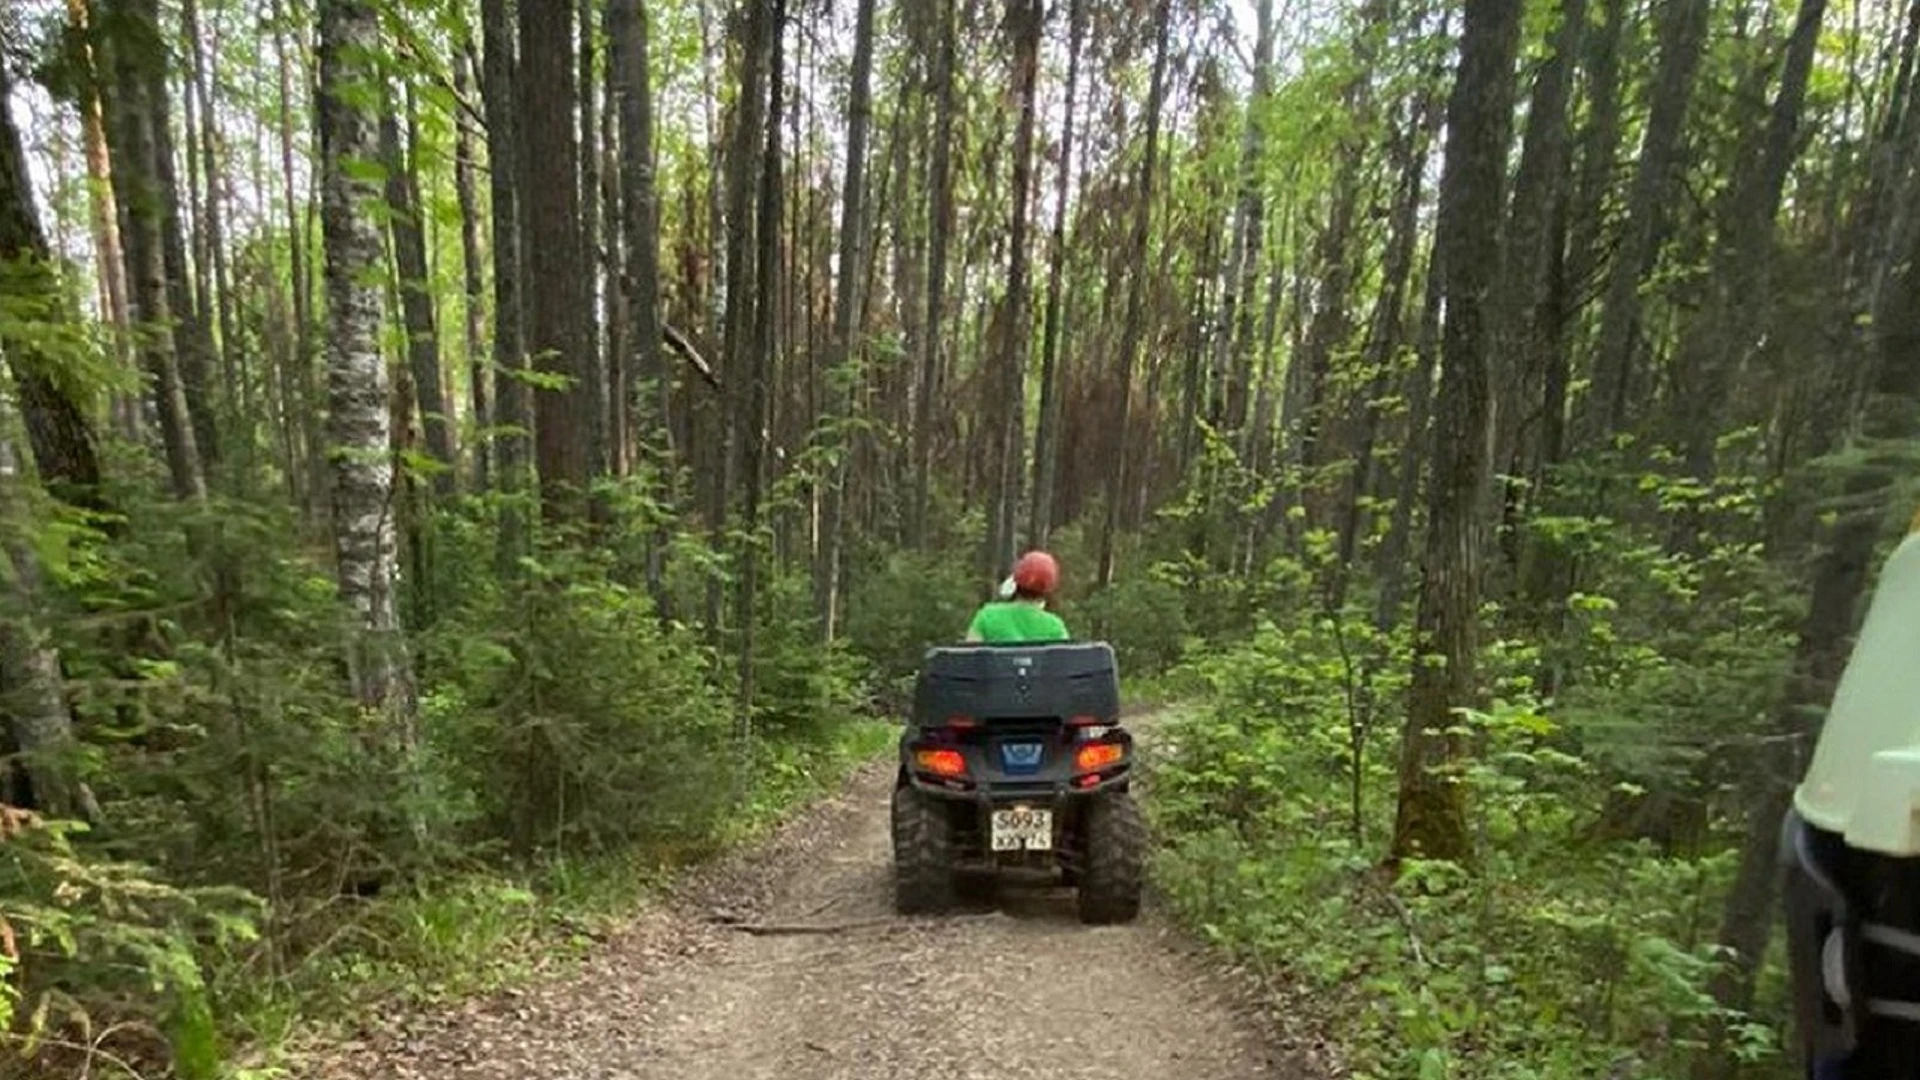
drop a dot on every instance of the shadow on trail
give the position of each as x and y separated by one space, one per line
1036 898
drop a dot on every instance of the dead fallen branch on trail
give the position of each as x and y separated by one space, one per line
810 929
804 929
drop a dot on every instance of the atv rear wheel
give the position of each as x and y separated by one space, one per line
1112 860
922 854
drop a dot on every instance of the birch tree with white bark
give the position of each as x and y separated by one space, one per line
358 418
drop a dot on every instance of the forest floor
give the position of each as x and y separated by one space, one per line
697 988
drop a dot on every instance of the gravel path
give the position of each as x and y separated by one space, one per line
1015 990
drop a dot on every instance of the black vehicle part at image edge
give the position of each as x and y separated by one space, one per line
1856 966
1850 848
1014 759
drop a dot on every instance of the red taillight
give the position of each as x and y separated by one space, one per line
941 762
1087 781
1096 756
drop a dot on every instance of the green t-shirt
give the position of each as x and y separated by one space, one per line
1015 623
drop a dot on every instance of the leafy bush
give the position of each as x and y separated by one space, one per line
572 716
1442 972
803 690
1145 619
563 726
1294 716
90 948
900 603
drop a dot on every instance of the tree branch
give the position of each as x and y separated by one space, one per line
679 343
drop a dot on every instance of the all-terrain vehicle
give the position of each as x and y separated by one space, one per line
1014 757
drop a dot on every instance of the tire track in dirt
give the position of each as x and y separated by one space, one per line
1012 991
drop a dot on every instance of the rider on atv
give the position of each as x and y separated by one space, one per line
1020 616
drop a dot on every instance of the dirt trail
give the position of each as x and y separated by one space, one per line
1013 991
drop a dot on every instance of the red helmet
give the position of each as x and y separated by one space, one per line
1036 574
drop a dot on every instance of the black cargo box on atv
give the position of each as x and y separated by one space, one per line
1007 682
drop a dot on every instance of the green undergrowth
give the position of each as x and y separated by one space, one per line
1560 953
492 929
1604 775
271 860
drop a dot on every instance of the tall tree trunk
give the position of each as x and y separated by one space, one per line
1733 320
1046 436
558 307
1007 407
1330 327
513 406
202 48
1287 398
1599 144
628 54
593 358
195 259
274 330
34 697
358 416
744 160
773 15
1578 255
1525 323
847 305
1385 332
142 199
906 210
109 263
53 408
406 223
1234 335
1431 819
1134 327
620 403
192 332
1547 571
473 290
939 226
1202 375
1394 554
1682 41
716 124
645 378
1256 441
302 389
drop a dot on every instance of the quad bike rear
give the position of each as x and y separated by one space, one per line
1014 758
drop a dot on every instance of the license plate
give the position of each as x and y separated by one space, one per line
1022 828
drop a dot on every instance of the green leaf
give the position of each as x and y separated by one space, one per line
363 170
